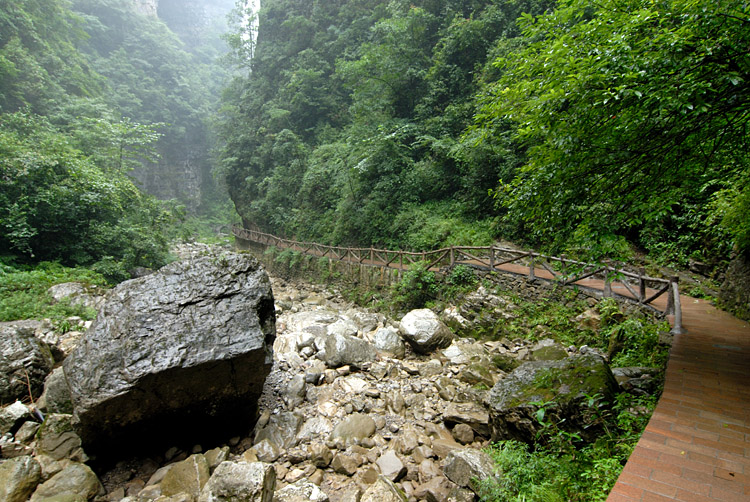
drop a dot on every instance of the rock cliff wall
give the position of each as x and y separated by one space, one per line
147 7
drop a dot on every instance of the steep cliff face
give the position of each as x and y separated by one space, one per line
147 7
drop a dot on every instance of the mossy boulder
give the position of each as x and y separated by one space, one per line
563 388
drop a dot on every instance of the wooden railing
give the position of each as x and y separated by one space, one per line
609 280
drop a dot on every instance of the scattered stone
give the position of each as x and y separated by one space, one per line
391 466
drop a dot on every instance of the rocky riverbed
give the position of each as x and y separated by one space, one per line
358 406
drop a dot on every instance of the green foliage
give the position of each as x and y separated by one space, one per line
619 105
56 204
562 468
371 97
23 291
417 287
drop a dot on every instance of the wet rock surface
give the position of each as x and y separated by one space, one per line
184 350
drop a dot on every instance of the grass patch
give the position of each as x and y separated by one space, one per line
561 468
23 292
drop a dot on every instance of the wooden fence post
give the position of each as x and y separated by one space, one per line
677 328
607 286
670 297
641 285
531 268
492 258
453 257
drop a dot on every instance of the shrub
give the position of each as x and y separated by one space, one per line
417 287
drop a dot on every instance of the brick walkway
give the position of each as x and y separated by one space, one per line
696 446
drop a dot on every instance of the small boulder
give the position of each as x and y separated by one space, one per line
240 482
346 464
388 341
548 350
344 350
473 414
12 417
383 490
77 294
391 466
25 361
436 489
356 426
188 476
425 332
301 491
565 385
467 466
74 480
56 396
58 440
18 478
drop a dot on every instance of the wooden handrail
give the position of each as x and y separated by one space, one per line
473 256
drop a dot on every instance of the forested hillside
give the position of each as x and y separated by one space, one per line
97 100
578 127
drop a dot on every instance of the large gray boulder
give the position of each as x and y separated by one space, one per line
562 388
184 350
425 331
22 356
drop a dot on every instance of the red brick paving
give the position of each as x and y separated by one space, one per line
696 447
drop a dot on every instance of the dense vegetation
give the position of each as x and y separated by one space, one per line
94 96
580 127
